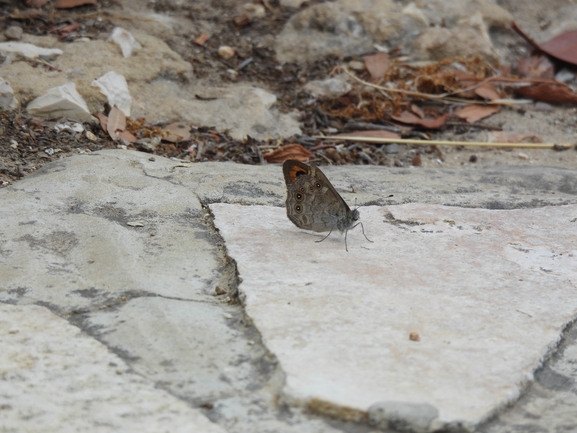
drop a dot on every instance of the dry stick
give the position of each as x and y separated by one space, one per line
445 143
410 92
446 96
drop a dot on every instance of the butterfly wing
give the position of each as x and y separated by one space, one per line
292 170
312 202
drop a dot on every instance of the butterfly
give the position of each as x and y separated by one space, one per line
313 203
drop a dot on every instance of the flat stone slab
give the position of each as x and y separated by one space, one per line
121 245
88 231
53 378
486 292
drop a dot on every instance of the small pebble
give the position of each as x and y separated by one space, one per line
564 76
392 148
253 10
355 65
417 160
226 52
543 106
232 75
14 33
523 156
473 158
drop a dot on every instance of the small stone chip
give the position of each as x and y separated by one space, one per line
135 224
413 336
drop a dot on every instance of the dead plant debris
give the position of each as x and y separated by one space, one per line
394 102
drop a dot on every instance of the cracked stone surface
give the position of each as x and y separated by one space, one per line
87 245
112 257
53 375
488 292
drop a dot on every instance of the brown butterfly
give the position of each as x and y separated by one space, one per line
313 203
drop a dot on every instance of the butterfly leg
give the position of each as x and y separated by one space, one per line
324 237
363 229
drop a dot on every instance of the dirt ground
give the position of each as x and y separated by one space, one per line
28 143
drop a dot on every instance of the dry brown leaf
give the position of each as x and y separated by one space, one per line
413 119
201 39
466 79
377 133
377 65
473 113
288 151
241 20
175 132
562 47
67 4
127 136
103 121
487 91
513 137
418 111
116 123
536 67
66 30
548 92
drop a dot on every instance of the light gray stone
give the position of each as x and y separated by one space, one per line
66 240
242 110
29 51
489 292
154 61
61 101
339 29
348 28
181 338
161 84
7 99
392 148
548 405
411 417
166 337
449 14
205 354
491 188
14 33
55 379
468 38
331 87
